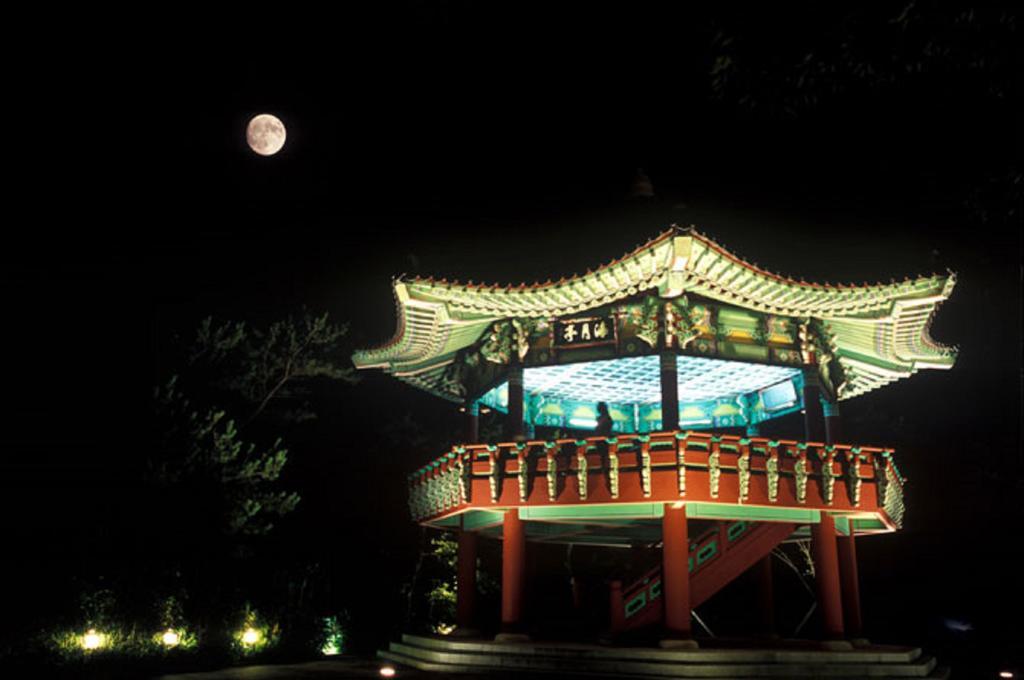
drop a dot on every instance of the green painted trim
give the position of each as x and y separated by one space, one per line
576 512
869 524
476 519
874 360
636 604
736 530
842 524
753 513
542 530
707 552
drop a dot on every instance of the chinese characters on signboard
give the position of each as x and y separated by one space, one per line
594 331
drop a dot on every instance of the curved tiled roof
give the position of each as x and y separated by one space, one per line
878 331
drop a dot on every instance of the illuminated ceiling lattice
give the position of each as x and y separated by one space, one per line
636 380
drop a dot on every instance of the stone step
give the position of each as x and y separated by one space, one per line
654 665
873 654
938 673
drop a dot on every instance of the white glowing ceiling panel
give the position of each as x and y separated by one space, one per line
636 380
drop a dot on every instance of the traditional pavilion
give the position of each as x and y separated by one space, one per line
682 339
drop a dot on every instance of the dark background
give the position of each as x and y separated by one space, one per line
499 142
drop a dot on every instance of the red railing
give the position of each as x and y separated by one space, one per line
446 483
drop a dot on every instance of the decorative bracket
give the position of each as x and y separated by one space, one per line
645 464
581 468
714 466
613 466
828 476
772 470
681 441
800 473
463 471
494 475
743 468
550 454
853 479
523 473
880 464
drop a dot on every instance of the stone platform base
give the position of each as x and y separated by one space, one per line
784 659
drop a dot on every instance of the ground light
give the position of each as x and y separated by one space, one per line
250 636
1006 674
170 638
387 671
93 640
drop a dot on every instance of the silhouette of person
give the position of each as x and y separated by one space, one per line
604 420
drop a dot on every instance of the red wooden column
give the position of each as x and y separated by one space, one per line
513 571
833 422
465 596
765 594
616 607
514 424
826 576
847 545
471 422
669 392
851 585
675 577
814 418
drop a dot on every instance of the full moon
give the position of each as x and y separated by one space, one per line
265 134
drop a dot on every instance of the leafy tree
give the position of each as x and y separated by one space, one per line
441 596
219 423
271 367
202 447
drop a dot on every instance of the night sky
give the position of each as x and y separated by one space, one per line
499 142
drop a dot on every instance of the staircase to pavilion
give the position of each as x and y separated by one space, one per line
717 557
785 659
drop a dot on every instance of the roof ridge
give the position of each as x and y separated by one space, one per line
674 230
722 250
